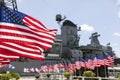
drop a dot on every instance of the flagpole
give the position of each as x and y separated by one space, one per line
105 71
97 72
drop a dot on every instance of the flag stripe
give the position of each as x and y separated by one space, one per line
22 47
17 51
24 39
24 33
32 24
28 39
41 33
25 47
37 24
5 56
21 54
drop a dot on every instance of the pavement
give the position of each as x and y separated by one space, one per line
27 78
33 78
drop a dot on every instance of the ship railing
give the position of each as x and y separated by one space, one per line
92 78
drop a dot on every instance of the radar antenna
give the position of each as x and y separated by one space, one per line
59 18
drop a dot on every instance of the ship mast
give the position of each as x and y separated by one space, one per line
9 3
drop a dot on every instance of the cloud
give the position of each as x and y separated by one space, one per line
19 0
116 34
85 27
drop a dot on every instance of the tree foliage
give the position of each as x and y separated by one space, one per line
89 73
8 76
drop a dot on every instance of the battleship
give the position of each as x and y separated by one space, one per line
65 48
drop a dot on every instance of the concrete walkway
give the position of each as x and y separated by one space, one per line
27 78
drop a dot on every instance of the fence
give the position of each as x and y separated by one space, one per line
62 77
96 78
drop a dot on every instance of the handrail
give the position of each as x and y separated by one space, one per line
99 78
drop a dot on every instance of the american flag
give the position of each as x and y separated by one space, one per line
24 36
31 70
77 64
61 66
3 55
37 70
43 67
4 61
96 62
110 57
56 67
50 67
106 61
92 57
87 64
82 62
70 66
100 59
90 64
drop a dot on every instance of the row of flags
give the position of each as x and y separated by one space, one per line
23 36
94 61
97 60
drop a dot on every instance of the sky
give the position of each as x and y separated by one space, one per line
102 16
